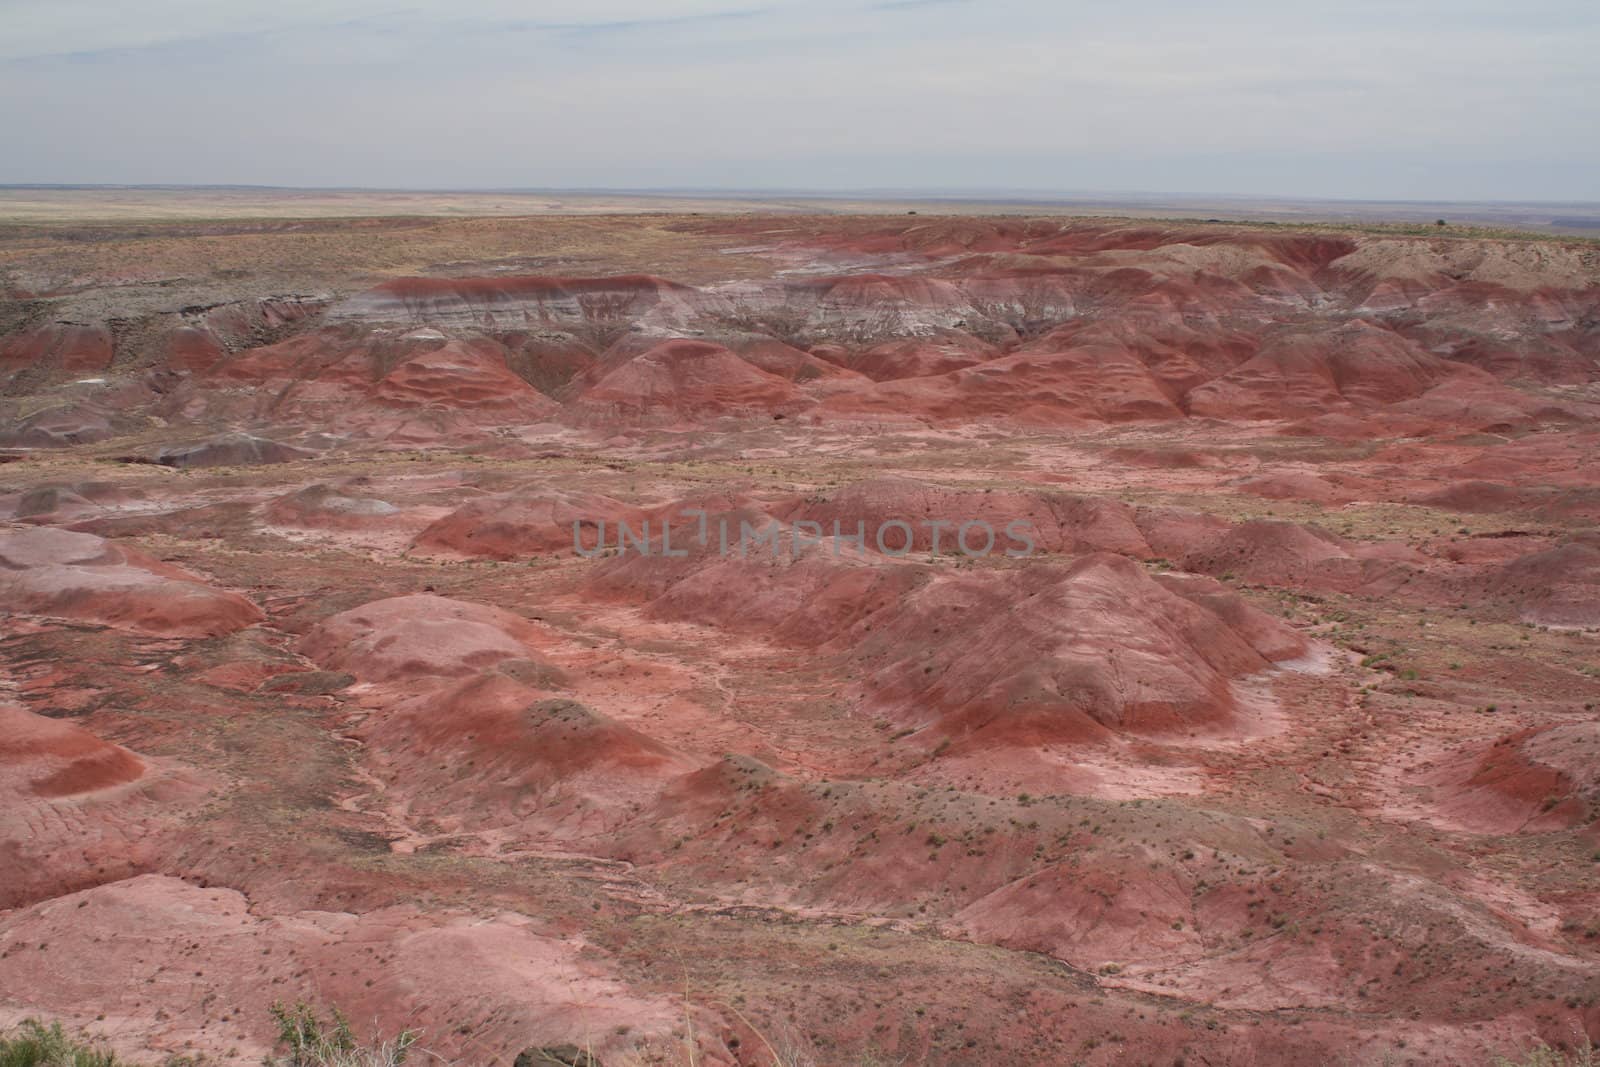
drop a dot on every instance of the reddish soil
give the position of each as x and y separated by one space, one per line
1273 738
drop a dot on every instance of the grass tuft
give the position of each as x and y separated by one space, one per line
1542 1055
36 1045
310 1041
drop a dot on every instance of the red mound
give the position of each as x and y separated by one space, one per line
1545 502
192 349
1269 553
1097 371
1052 522
376 382
231 450
785 361
1545 778
1297 486
1173 533
59 427
1476 404
322 507
805 598
412 637
1490 549
1007 656
1557 587
48 571
463 375
1479 496
1122 908
55 351
519 525
919 357
208 521
1310 373
1266 552
1177 357
496 751
1538 358
1065 652
1044 388
76 809
51 504
688 378
437 967
1265 633
51 758
1166 458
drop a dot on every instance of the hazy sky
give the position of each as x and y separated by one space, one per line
1422 99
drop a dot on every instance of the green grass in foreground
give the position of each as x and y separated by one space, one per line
37 1045
310 1041
1542 1055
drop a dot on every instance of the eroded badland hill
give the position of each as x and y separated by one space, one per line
1280 745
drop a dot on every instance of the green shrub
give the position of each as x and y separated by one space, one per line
311 1042
1542 1055
36 1045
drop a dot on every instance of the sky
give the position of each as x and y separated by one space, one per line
1355 99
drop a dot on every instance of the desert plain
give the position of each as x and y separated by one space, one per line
1279 746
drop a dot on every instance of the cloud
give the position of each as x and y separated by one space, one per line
909 5
38 28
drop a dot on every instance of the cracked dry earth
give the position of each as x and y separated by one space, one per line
1282 747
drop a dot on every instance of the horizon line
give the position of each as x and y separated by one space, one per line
951 194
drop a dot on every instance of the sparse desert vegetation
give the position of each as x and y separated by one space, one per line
1278 744
33 1044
